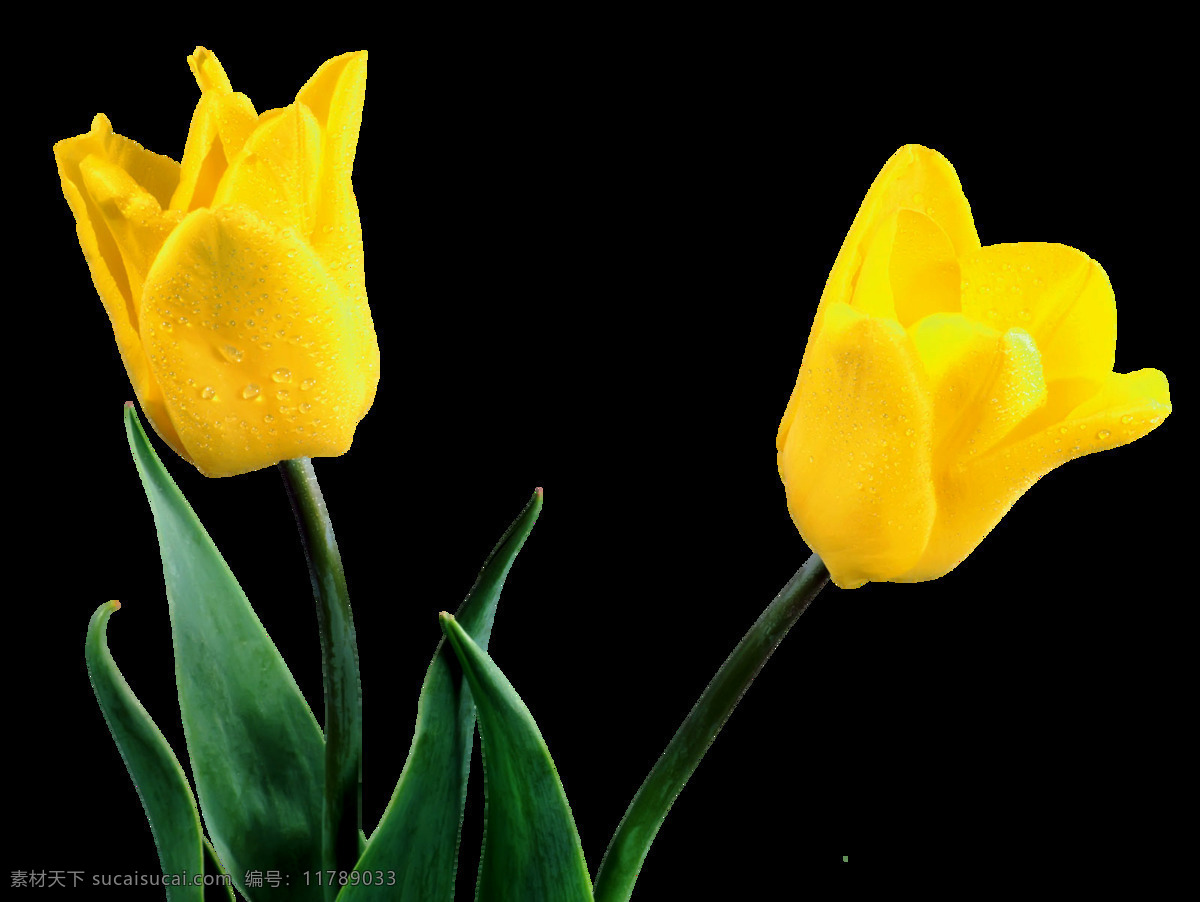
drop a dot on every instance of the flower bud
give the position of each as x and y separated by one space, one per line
234 281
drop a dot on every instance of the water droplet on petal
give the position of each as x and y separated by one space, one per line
208 393
251 391
283 374
231 354
1103 434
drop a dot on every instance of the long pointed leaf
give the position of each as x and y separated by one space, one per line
418 836
531 849
157 776
256 751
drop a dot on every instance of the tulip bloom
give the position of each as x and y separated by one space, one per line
942 379
234 281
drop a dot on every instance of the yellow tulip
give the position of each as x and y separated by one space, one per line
234 281
942 379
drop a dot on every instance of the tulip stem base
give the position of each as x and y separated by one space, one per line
339 665
646 813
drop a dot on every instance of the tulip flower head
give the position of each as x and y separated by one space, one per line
234 280
942 379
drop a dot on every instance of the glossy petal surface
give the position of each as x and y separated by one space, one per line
855 456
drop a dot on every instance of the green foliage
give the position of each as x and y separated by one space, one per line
418 836
257 754
157 776
531 849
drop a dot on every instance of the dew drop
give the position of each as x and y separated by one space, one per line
1127 419
231 354
283 374
1103 434
251 391
208 393
308 383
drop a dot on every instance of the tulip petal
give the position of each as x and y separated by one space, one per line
923 269
973 497
910 270
914 179
269 364
277 173
855 449
121 171
134 219
335 94
983 383
222 122
1057 294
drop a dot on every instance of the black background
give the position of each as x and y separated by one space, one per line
592 262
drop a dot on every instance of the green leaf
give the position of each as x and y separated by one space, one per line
157 776
257 754
531 849
418 836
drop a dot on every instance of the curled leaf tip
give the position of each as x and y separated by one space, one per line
129 404
539 491
116 605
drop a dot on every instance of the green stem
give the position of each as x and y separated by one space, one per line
629 845
339 666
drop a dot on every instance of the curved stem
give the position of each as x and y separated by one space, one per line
630 844
339 665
